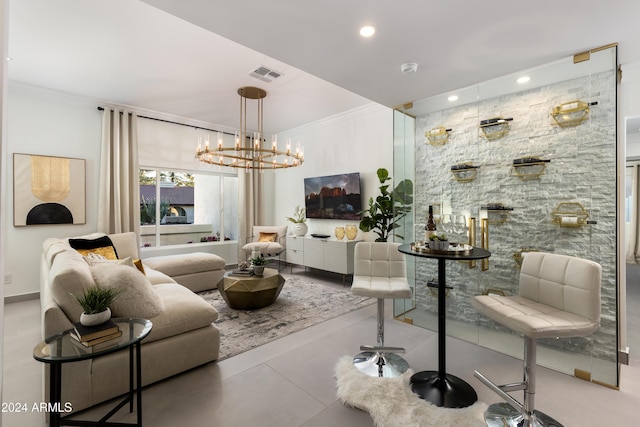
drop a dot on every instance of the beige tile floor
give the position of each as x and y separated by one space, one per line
289 382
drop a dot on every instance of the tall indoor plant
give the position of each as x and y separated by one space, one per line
386 211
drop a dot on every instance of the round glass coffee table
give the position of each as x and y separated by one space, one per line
61 348
251 292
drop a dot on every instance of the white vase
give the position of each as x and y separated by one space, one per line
96 318
258 270
299 229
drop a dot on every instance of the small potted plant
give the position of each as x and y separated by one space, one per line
438 242
95 302
258 264
299 220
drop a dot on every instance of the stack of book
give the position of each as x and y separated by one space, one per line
91 335
240 272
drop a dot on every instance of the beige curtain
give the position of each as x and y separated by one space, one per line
633 241
251 205
119 198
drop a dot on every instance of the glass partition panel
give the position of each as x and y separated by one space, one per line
403 168
531 164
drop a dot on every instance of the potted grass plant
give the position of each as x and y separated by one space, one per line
258 264
95 302
299 227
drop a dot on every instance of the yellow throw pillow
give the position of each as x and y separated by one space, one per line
139 266
107 252
267 237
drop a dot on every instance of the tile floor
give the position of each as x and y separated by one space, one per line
289 382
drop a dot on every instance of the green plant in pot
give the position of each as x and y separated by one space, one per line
389 208
258 264
95 302
299 227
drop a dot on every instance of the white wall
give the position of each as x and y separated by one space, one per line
54 124
359 141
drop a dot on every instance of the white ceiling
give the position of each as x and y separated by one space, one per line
131 53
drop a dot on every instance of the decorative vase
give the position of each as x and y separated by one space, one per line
339 233
352 231
96 318
258 270
299 229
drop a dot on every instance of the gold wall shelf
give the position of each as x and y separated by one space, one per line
529 167
437 136
497 213
484 242
495 128
519 255
464 172
569 214
571 113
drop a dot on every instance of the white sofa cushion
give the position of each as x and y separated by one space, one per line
184 311
69 275
136 298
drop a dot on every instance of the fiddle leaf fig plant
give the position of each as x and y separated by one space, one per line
387 209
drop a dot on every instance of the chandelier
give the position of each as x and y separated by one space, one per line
249 150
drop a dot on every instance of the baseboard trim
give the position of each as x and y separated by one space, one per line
23 297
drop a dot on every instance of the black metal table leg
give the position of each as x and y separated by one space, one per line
438 387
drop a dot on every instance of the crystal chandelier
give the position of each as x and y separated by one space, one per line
250 149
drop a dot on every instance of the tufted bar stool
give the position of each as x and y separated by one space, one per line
380 272
559 297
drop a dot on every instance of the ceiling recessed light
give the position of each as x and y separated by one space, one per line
452 98
523 79
367 31
409 67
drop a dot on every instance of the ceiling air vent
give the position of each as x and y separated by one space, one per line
265 74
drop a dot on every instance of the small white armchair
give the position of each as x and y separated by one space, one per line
269 241
380 272
559 297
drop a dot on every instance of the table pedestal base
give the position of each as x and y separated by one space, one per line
449 392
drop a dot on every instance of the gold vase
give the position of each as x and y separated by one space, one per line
339 233
352 232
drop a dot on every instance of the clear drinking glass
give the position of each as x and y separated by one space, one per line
460 227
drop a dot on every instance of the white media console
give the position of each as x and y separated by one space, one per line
327 254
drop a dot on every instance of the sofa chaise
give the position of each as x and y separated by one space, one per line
183 334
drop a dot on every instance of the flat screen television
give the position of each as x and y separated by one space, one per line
333 197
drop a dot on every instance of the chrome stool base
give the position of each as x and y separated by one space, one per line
380 364
504 415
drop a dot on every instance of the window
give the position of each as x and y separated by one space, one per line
179 207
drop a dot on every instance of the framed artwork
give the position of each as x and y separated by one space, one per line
48 190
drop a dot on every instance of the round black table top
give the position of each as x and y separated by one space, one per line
475 253
61 348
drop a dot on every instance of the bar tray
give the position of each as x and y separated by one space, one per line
420 247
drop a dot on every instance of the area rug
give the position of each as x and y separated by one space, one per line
391 403
303 302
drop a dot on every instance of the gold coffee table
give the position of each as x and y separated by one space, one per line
249 293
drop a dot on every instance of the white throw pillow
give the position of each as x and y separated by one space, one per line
137 297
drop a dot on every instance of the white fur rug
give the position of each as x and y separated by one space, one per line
391 403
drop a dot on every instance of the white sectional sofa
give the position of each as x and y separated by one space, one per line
183 334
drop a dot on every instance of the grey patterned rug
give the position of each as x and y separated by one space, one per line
303 302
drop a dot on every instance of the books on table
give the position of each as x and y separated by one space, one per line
91 335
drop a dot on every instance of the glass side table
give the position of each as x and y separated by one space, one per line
61 348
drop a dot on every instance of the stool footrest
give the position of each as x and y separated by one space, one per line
382 349
498 390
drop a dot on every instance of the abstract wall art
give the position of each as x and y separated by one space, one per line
48 190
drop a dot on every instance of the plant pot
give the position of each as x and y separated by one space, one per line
299 229
258 270
96 318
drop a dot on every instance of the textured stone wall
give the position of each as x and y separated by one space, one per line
582 169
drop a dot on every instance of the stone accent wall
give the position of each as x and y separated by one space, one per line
582 169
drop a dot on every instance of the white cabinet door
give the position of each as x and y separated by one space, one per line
314 252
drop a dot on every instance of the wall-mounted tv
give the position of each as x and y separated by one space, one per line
333 197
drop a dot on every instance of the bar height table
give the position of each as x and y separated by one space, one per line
438 387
